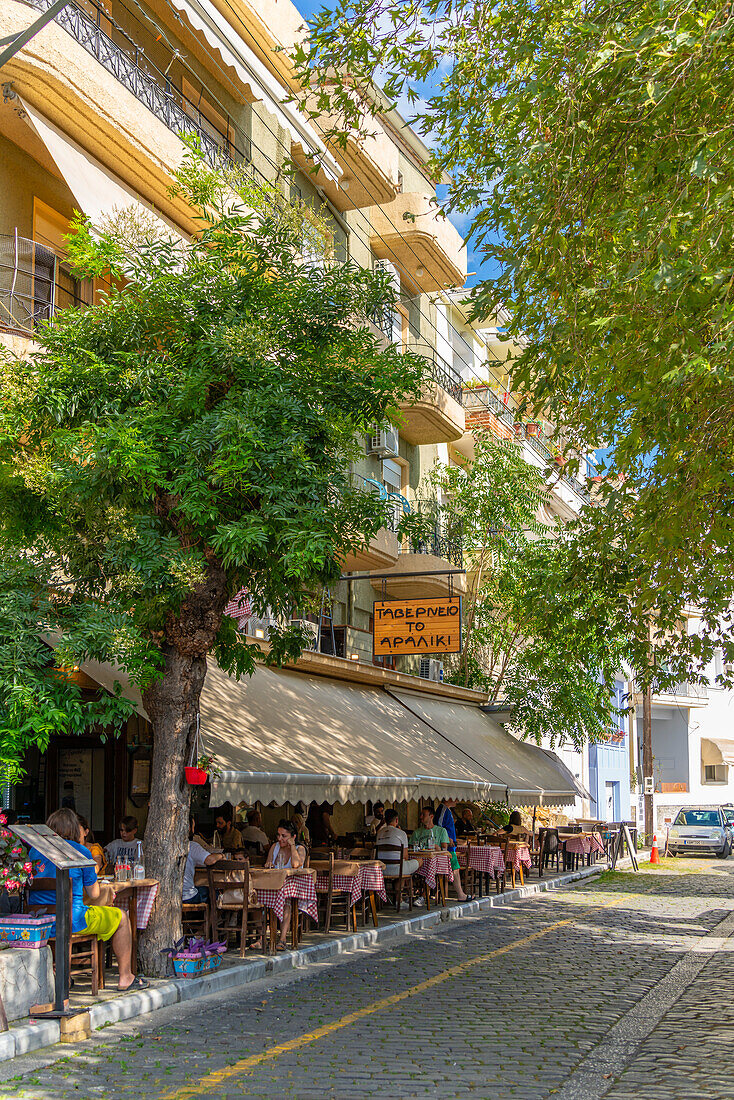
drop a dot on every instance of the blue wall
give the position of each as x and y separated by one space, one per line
609 763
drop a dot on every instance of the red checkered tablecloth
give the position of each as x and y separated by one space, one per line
484 858
145 902
301 887
519 856
367 878
436 865
582 845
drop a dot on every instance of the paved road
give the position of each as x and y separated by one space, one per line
620 989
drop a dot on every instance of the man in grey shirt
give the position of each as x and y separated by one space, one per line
390 833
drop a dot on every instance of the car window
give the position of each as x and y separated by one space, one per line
707 818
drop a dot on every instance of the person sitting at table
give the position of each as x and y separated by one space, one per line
125 848
106 922
444 818
226 836
286 853
465 822
436 837
89 842
196 857
391 833
252 833
319 824
515 825
376 819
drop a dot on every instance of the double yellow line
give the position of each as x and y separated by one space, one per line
246 1065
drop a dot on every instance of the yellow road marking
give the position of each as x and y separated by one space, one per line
245 1065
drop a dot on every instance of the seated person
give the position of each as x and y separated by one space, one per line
304 837
437 837
252 833
197 857
318 823
106 922
443 816
376 819
465 822
126 847
227 837
286 852
91 844
515 825
391 833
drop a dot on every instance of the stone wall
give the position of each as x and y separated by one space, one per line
26 978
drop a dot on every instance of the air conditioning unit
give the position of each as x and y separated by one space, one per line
384 442
310 629
431 669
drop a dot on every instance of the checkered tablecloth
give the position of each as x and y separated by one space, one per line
487 859
301 887
519 857
436 865
145 902
582 845
366 879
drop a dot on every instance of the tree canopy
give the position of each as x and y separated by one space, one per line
184 438
592 145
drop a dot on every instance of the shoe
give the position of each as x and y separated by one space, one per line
418 903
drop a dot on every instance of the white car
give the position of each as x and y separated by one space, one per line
699 830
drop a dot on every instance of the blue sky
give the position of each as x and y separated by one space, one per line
461 221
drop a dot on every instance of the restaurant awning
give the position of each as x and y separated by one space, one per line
532 776
283 736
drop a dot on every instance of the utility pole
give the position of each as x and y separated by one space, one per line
647 763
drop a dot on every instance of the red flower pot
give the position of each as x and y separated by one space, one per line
195 777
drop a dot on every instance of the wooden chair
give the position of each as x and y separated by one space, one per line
196 918
229 892
86 952
336 899
396 885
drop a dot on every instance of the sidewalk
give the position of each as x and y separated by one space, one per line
111 1006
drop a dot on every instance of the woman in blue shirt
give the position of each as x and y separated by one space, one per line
107 922
445 819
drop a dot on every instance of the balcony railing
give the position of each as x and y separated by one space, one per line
683 689
125 59
27 283
436 532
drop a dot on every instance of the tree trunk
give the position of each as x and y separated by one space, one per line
172 704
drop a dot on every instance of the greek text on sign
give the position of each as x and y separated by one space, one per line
417 626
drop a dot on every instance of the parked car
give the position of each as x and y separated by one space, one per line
699 830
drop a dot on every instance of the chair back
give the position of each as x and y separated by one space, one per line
40 908
229 882
392 855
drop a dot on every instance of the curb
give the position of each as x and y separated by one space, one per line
45 1033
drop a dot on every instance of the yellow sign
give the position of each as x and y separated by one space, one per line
416 626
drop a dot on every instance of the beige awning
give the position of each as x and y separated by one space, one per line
717 750
97 191
531 776
283 736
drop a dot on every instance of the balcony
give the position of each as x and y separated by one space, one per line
437 415
33 286
382 551
682 694
369 164
434 544
411 232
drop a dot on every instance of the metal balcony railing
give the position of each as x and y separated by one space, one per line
438 532
126 61
27 283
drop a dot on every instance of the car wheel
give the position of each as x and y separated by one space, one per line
725 851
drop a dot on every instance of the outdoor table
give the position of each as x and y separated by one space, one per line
583 844
518 855
484 858
367 879
299 887
136 897
433 865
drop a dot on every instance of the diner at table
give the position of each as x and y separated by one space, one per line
286 854
227 836
442 839
390 833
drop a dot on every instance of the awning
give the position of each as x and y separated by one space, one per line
532 776
717 750
253 75
283 736
96 190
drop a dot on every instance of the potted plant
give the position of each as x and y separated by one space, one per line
198 774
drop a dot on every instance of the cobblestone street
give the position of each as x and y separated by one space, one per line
619 988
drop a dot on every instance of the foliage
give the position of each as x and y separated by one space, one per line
15 867
592 146
535 637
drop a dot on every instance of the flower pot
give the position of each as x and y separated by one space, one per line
195 777
532 428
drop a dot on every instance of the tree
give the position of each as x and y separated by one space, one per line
188 437
592 147
535 638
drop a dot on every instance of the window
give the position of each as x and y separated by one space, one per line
715 773
400 183
50 228
217 126
706 818
392 475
